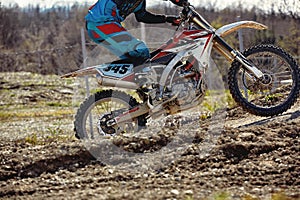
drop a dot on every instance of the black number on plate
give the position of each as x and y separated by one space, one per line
124 69
121 69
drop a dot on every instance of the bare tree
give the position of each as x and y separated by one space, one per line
290 7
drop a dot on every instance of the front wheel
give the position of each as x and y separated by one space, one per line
280 88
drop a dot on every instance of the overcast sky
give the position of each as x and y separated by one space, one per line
266 4
50 3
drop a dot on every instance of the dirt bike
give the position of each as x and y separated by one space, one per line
264 79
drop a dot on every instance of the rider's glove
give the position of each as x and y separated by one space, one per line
174 20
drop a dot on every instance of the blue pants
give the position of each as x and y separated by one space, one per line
118 40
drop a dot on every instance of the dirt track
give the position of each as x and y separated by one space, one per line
254 158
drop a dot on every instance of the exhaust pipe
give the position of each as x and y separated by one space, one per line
116 83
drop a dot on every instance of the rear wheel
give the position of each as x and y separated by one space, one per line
279 89
93 116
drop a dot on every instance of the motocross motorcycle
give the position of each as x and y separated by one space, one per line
264 79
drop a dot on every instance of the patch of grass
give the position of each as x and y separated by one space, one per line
222 196
95 90
69 81
55 130
52 134
35 140
205 116
215 100
29 114
282 196
32 139
229 99
189 197
273 97
212 102
5 115
249 197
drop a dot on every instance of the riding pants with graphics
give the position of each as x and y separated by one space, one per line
118 40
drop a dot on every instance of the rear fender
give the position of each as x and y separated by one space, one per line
82 72
230 28
110 75
114 71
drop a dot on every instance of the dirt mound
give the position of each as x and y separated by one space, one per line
253 158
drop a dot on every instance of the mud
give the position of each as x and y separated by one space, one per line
253 158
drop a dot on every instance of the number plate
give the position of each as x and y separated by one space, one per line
116 70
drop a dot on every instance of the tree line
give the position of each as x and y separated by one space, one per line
48 41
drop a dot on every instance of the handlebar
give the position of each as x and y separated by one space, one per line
186 11
189 14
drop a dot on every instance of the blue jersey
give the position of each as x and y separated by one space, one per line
104 27
115 10
118 10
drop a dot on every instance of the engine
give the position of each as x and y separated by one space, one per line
185 92
184 87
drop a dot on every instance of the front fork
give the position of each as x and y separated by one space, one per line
248 65
232 54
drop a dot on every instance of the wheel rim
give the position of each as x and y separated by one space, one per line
100 112
277 85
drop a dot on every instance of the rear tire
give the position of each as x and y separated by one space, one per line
96 110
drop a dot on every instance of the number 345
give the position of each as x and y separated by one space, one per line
118 69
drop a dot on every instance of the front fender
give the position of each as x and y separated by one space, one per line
229 28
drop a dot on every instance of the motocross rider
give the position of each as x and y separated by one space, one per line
103 23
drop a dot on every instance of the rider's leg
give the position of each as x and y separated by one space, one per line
119 41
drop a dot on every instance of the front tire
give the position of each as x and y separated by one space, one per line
265 99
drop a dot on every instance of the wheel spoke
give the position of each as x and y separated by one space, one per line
273 94
100 109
